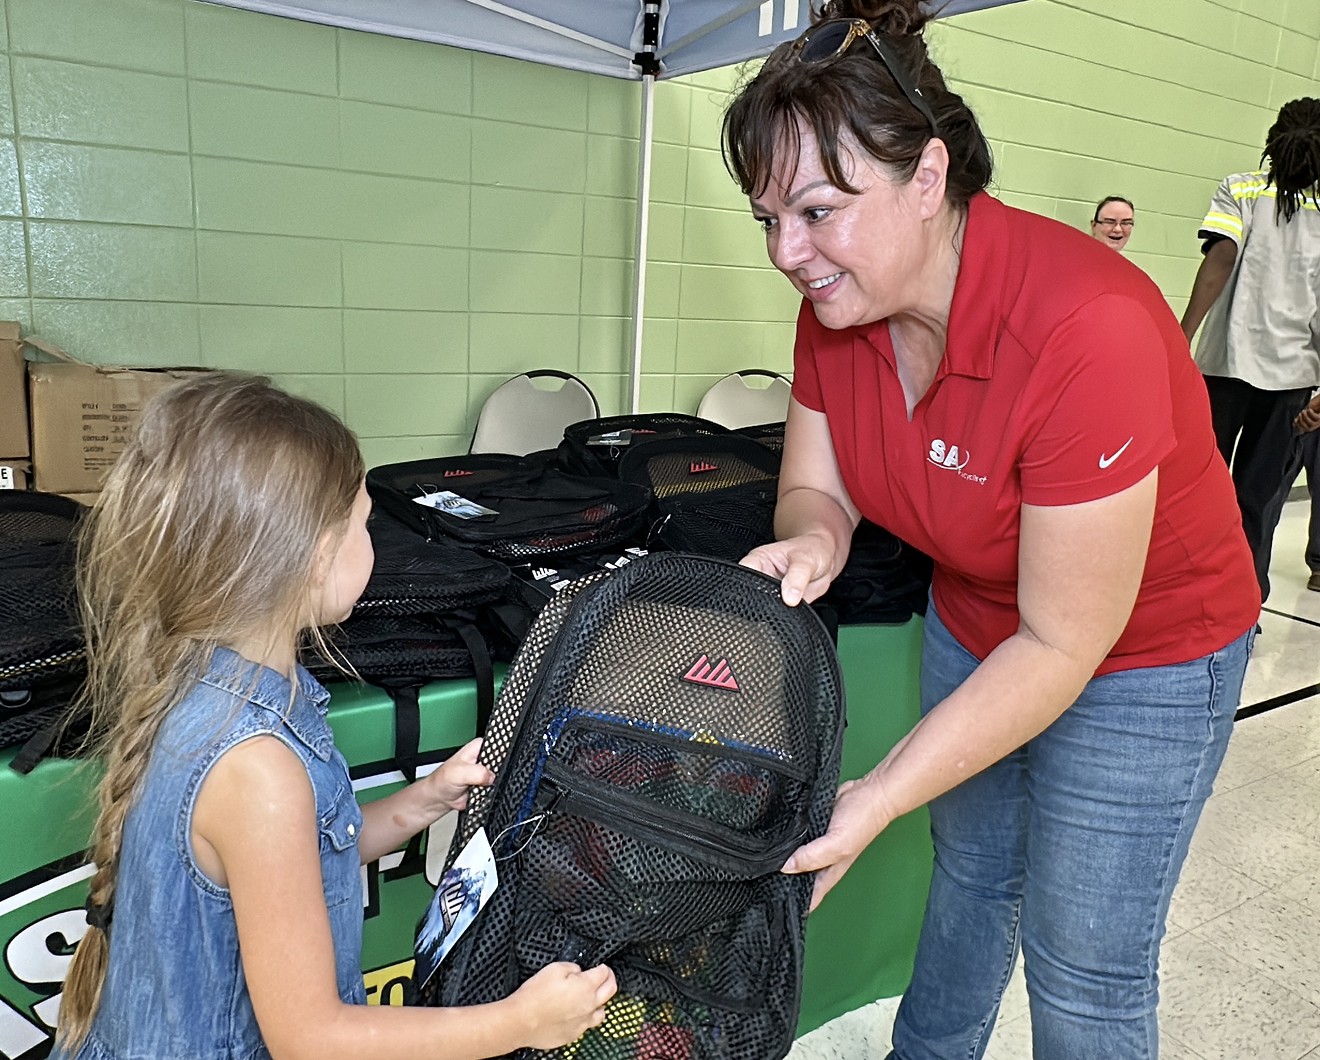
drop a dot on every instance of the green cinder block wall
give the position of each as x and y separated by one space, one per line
394 227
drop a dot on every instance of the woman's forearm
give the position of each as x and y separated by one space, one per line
803 510
994 712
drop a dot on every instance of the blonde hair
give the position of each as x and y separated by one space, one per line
206 533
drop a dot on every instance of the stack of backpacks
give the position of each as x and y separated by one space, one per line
42 662
469 549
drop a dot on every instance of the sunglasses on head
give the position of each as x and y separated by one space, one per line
829 40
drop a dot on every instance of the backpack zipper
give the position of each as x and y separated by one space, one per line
662 826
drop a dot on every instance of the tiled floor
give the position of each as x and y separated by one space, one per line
1241 961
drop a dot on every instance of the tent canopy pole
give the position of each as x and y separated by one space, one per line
645 60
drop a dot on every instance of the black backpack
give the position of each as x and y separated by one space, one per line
712 494
42 660
509 507
430 611
595 447
668 735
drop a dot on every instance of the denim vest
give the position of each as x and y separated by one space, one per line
175 985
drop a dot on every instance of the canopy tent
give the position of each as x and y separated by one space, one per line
599 36
646 40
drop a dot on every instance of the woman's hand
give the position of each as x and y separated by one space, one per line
803 564
1309 418
860 814
446 788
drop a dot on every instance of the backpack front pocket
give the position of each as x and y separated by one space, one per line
660 854
732 806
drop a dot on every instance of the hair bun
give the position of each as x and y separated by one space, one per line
893 18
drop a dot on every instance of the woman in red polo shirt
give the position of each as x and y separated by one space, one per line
1017 401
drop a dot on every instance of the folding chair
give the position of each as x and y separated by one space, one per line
746 398
524 415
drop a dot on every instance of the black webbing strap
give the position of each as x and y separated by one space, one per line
483 671
408 725
407 751
36 746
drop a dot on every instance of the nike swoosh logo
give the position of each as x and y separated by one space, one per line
1105 461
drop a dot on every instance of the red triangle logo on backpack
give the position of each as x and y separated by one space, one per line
714 675
698 466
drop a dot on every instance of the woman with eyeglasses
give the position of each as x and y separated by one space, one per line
1018 402
1113 221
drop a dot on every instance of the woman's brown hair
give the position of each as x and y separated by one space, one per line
205 535
855 96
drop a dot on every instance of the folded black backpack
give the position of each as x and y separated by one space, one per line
430 611
670 732
712 494
42 661
595 447
770 435
509 507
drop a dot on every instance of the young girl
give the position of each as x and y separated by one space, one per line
225 916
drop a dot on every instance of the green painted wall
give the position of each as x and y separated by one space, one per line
394 227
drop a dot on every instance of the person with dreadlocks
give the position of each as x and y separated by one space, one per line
1257 292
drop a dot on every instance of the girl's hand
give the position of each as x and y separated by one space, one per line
446 788
804 565
561 1002
859 816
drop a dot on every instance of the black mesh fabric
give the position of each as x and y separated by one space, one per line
667 736
41 640
42 659
884 579
770 435
416 647
415 576
714 496
532 509
403 625
595 447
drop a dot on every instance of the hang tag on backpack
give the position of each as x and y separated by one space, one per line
623 437
452 504
461 894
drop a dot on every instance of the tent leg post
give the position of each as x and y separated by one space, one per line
639 250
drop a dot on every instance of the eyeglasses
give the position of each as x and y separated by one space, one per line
1111 222
830 39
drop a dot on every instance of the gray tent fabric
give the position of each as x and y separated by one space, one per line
596 36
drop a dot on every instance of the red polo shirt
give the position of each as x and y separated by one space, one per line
1065 379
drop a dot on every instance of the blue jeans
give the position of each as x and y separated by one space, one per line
1070 848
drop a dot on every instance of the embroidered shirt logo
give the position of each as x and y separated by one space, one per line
953 459
716 675
1105 461
455 473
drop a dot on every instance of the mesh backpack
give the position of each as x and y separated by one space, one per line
430 611
42 663
511 508
713 494
595 447
668 735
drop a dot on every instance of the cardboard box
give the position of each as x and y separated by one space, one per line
83 416
15 474
13 394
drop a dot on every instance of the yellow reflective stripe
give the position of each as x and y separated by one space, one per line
1248 189
1226 223
1254 190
